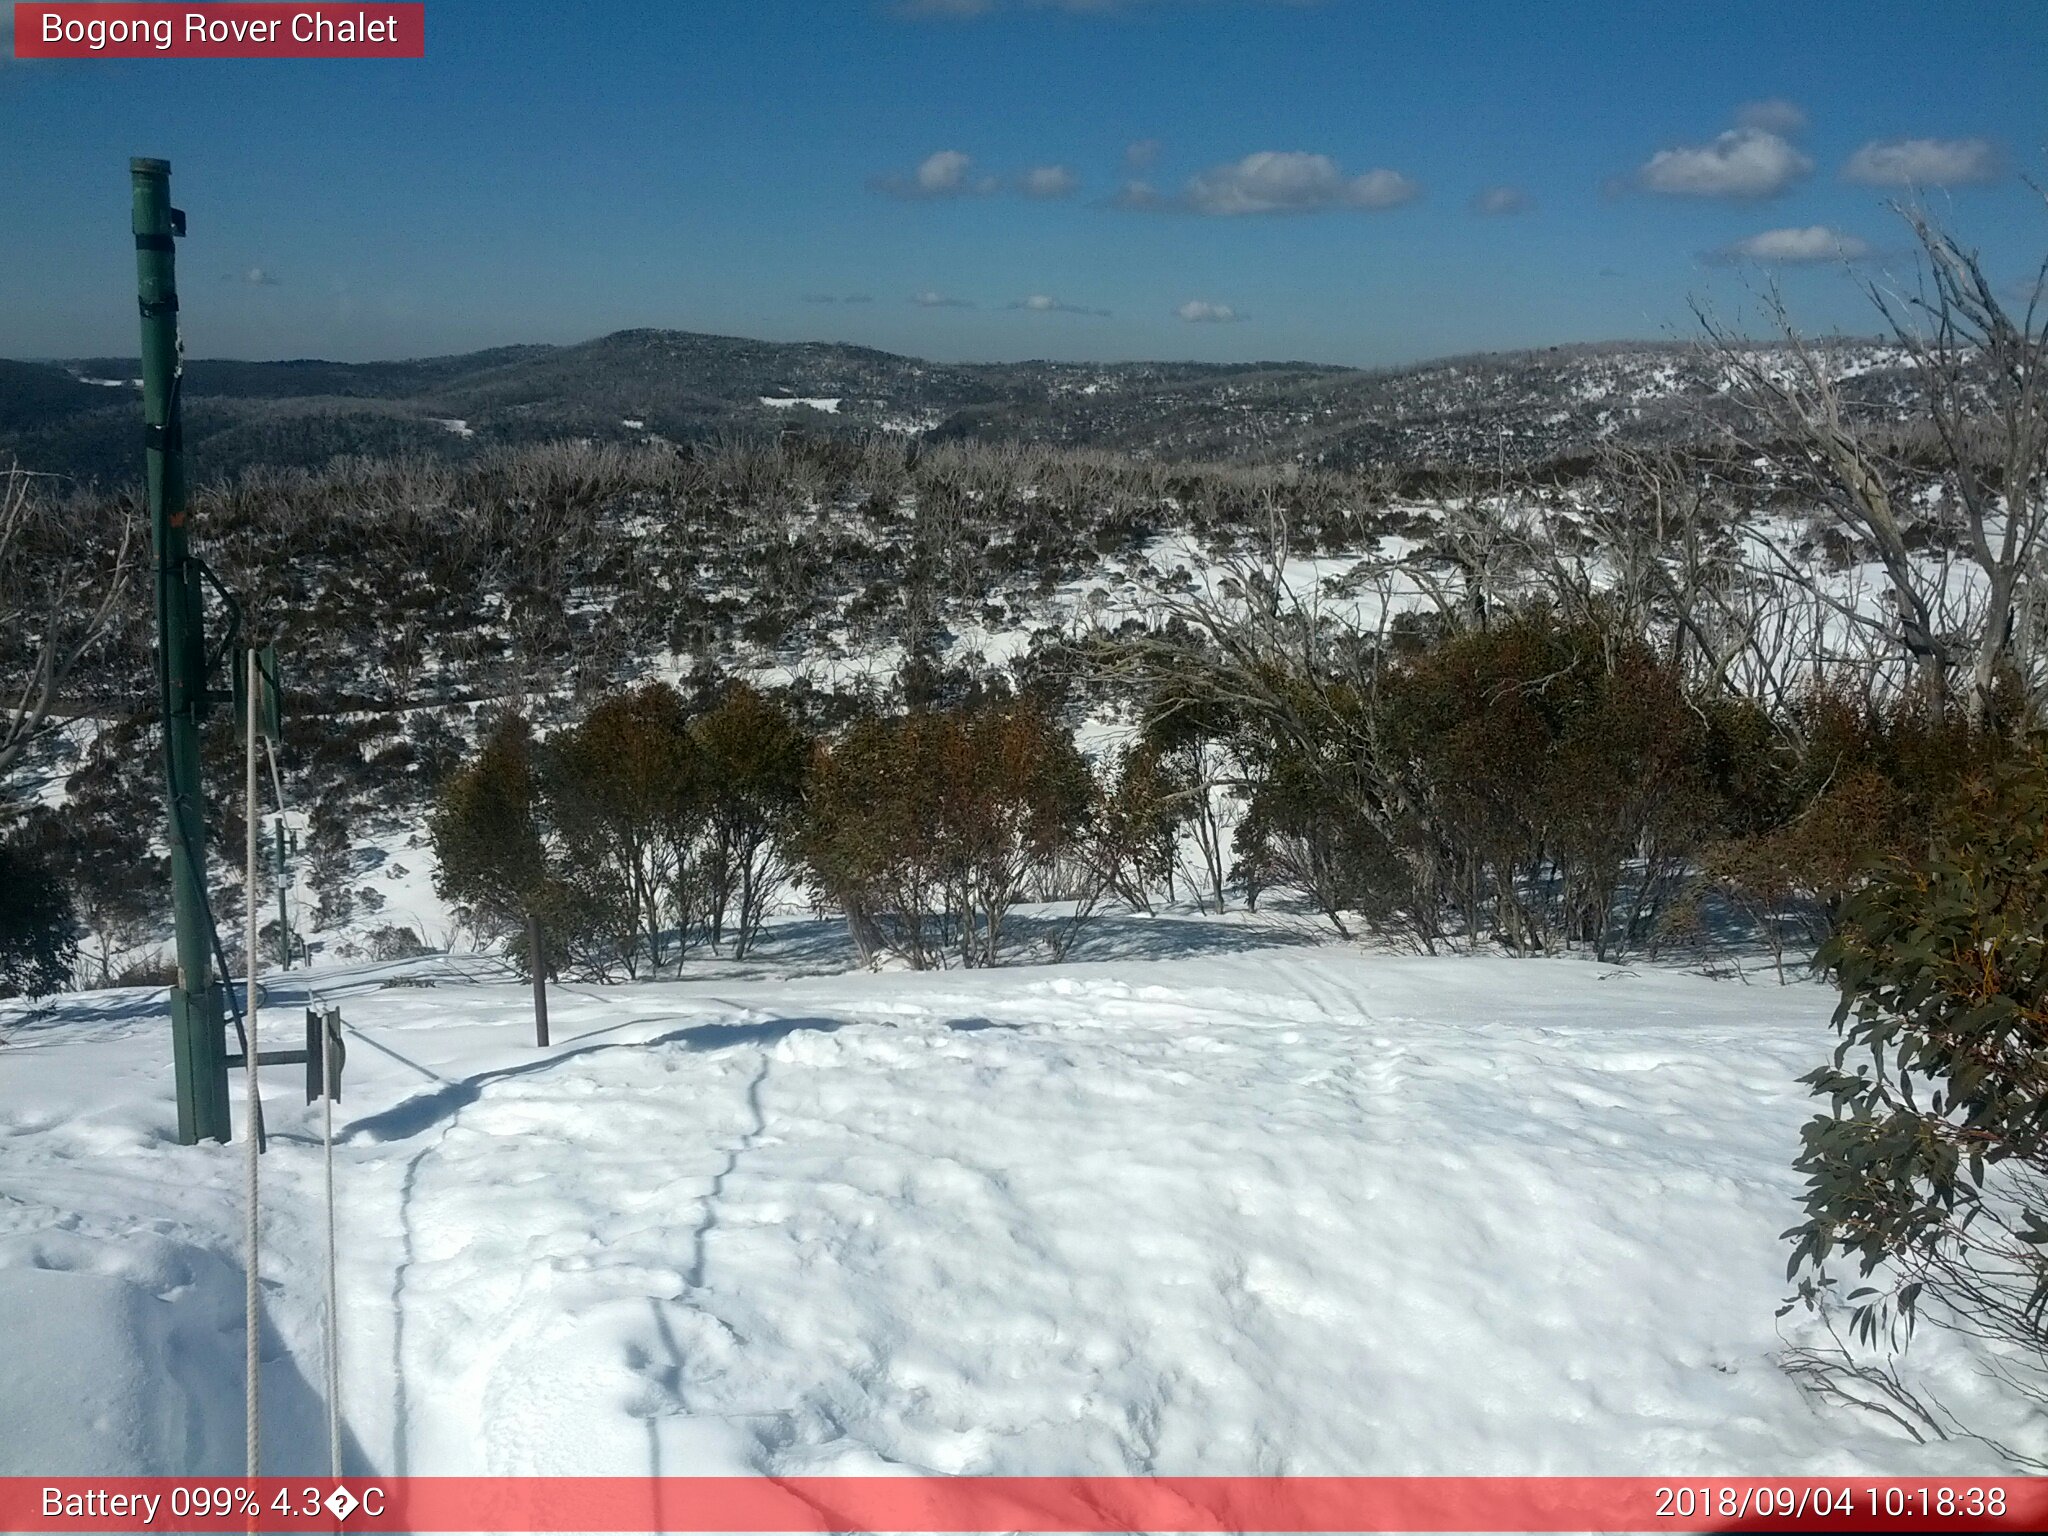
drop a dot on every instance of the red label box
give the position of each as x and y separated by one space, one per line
374 1506
215 31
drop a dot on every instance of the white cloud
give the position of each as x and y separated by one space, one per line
944 173
1814 242
947 173
1293 181
929 299
1923 162
1773 114
1200 312
1140 154
1501 200
1140 196
1046 304
1048 181
260 277
1743 162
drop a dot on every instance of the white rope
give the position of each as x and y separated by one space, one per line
253 1300
276 779
331 1343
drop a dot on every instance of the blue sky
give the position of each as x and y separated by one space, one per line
1305 175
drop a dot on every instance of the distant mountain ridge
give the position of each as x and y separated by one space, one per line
78 417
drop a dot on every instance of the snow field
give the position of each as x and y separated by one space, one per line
1282 1210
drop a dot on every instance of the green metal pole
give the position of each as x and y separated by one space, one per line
198 1047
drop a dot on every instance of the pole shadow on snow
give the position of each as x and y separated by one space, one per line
423 1111
295 1433
194 1397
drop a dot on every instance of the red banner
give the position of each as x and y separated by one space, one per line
1077 1504
213 31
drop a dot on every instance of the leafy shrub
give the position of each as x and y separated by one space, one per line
1543 781
392 942
1843 787
1930 1168
623 795
156 970
38 931
752 761
486 837
925 828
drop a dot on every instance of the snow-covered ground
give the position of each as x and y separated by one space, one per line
1215 1199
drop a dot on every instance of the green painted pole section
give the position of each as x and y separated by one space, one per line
198 1047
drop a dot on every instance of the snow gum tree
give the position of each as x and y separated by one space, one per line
1981 365
624 792
752 759
66 585
330 865
487 841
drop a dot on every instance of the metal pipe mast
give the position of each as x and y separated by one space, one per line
198 1045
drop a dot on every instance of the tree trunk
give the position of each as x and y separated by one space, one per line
536 959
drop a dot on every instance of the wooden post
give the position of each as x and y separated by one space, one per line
536 959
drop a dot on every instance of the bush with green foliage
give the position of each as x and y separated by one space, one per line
623 795
752 760
1302 830
38 931
1543 782
1824 795
487 840
1930 1168
330 864
1133 826
925 828
1557 769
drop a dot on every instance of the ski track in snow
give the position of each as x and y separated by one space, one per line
1284 1211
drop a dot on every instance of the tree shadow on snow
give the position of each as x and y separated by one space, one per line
799 947
410 1117
1170 936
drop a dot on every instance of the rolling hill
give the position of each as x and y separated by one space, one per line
76 418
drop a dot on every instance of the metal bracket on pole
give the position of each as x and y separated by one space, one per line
323 1044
